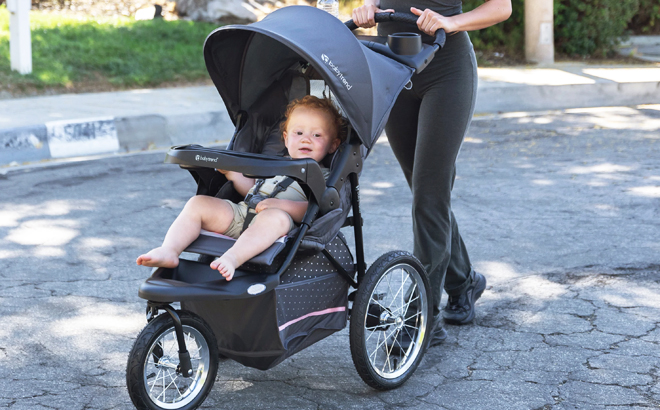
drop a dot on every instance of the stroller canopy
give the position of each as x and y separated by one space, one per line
244 61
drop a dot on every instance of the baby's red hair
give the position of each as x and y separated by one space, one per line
321 104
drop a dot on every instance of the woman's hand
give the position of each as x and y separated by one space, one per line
363 16
429 21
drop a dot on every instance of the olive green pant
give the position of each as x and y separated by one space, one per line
425 130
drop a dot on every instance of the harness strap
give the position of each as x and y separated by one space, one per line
281 186
252 203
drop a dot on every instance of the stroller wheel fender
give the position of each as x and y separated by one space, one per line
391 320
153 375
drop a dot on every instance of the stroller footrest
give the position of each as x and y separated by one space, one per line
210 243
194 281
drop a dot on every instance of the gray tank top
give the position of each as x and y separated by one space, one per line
444 7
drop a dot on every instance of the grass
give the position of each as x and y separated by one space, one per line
111 53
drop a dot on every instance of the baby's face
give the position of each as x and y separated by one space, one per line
310 134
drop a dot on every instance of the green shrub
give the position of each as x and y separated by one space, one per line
647 19
591 27
582 27
508 35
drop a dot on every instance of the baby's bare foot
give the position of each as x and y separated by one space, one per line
159 258
226 265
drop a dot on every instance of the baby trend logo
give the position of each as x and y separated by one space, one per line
334 68
207 159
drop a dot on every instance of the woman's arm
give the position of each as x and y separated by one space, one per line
486 15
242 184
296 209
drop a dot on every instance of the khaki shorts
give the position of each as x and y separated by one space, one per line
240 213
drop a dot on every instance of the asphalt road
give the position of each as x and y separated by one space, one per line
561 212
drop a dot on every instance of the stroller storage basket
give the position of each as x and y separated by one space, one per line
309 304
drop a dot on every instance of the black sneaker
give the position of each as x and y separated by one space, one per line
460 308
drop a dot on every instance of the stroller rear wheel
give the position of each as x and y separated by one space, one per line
390 320
152 376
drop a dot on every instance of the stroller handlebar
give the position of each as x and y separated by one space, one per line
440 35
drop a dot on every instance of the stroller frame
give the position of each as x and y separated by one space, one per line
401 319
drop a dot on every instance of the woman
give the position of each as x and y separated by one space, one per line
426 129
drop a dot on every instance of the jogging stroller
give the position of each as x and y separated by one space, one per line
307 285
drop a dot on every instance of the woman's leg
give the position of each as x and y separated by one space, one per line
401 131
444 94
200 212
267 227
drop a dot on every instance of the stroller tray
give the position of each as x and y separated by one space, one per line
195 281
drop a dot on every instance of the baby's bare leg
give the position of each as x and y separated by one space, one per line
201 211
268 225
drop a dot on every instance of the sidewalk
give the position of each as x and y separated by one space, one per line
43 128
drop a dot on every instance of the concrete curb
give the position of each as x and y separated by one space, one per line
553 97
645 48
92 136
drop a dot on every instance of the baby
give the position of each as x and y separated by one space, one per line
312 129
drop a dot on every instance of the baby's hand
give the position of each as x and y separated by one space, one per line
222 171
265 204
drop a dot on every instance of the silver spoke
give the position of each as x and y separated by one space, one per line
389 353
170 383
380 344
375 352
406 307
404 304
176 387
379 304
172 344
155 381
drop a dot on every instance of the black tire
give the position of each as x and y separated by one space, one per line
382 317
153 385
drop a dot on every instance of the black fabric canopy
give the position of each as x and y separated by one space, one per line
244 61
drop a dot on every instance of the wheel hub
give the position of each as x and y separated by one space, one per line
378 318
387 319
166 361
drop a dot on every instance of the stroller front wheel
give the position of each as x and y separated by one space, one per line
390 320
152 375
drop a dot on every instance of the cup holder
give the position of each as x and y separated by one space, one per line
406 44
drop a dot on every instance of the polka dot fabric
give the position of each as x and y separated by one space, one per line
311 293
